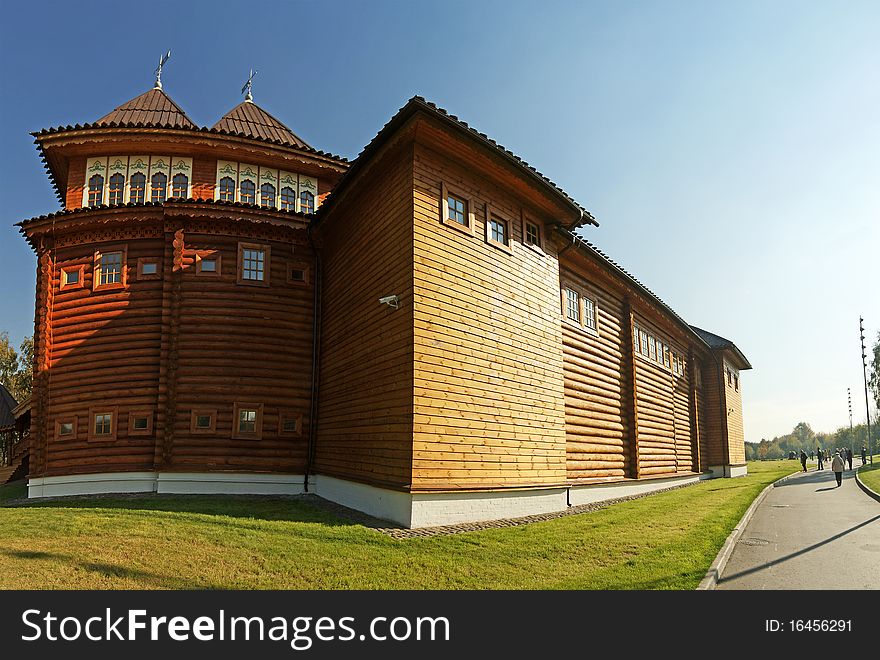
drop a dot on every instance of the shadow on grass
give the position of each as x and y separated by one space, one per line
107 570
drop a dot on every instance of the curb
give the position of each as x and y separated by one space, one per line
712 576
862 485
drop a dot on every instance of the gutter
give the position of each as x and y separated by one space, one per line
316 348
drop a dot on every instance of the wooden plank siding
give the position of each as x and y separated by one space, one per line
488 407
365 421
735 434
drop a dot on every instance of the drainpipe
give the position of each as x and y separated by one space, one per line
316 347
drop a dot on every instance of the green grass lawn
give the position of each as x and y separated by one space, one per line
870 474
666 541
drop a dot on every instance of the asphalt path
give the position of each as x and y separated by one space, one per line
809 534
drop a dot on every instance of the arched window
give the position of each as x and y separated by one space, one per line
248 192
96 190
138 188
267 194
306 202
288 199
117 189
227 189
179 185
158 187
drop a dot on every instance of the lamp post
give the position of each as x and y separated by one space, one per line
849 403
865 375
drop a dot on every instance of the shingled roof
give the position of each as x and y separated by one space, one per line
152 108
250 120
720 343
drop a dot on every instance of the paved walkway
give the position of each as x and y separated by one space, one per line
809 534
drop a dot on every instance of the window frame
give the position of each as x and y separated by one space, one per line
208 255
91 190
240 279
94 411
491 214
67 419
231 192
171 185
445 193
736 382
111 189
195 413
526 220
96 268
143 261
289 414
142 412
299 265
153 187
583 293
257 434
63 284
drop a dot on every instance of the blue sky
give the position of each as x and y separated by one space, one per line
729 150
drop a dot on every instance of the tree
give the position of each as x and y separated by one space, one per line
874 373
16 370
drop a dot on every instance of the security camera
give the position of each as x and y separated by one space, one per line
391 301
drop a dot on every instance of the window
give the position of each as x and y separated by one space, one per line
288 199
203 421
589 313
148 268
698 377
110 268
102 423
96 190
652 347
227 189
729 377
267 195
158 187
736 382
138 188
572 305
289 423
457 209
498 230
117 189
644 342
72 277
65 428
208 263
179 185
248 192
247 421
140 422
253 261
533 234
306 202
298 273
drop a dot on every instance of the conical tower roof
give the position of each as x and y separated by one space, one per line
249 119
152 108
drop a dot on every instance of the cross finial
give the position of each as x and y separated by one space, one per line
246 90
162 61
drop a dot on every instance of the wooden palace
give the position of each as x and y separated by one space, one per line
421 333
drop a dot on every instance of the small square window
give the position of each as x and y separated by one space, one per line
102 423
148 268
456 210
140 422
289 423
298 273
253 264
65 428
203 421
72 278
208 264
247 420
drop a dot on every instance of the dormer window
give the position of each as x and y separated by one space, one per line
288 199
138 188
248 192
158 187
306 202
117 189
179 185
96 190
227 189
267 194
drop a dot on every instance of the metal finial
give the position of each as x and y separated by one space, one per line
162 61
246 90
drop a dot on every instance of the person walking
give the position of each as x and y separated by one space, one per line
864 455
811 455
820 457
837 468
804 459
849 457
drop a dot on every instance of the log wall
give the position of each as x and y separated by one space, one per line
488 393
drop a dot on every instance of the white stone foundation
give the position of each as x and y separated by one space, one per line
412 510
